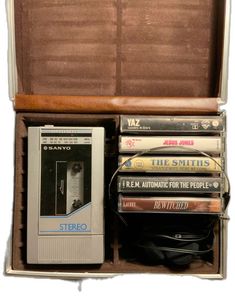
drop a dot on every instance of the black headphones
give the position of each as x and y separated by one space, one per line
175 246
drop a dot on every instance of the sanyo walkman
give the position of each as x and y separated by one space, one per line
65 195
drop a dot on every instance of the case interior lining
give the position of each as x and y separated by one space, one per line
119 47
115 260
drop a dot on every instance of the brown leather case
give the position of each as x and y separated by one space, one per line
85 63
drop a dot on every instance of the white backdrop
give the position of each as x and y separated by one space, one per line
138 286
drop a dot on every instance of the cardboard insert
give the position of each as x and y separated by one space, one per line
116 238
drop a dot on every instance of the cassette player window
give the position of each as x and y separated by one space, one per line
66 171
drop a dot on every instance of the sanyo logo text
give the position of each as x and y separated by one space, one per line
57 148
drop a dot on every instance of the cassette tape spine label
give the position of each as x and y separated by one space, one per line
169 204
152 124
133 184
132 144
174 164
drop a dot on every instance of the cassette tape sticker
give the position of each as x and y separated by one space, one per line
69 186
75 186
61 187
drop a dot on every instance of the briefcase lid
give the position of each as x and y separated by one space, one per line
162 49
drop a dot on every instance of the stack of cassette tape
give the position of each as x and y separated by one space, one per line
171 164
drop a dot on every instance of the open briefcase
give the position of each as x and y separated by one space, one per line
84 64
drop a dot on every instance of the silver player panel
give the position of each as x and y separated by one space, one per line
65 195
